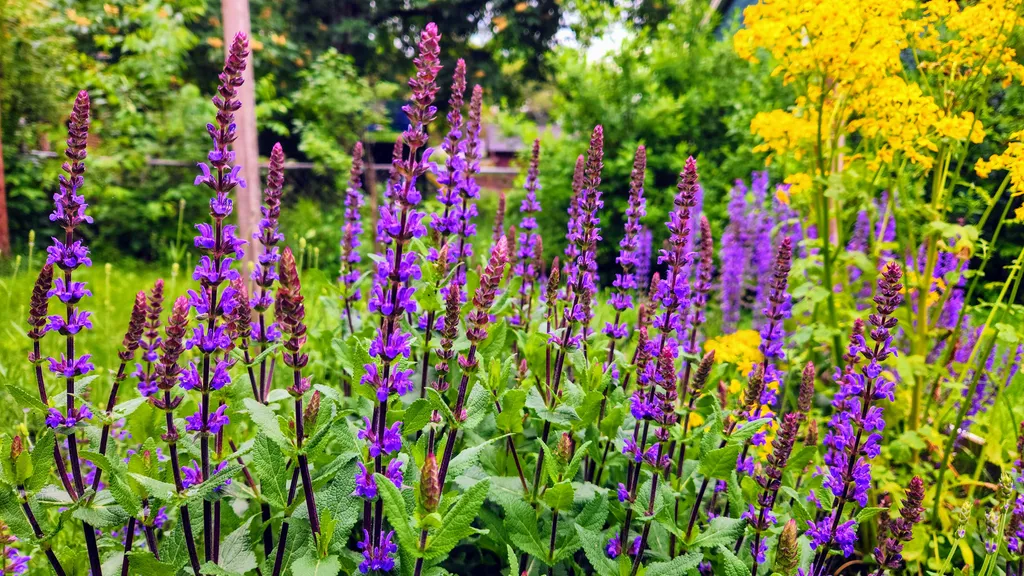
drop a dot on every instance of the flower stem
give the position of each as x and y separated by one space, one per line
38 532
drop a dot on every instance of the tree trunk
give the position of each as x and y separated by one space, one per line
5 231
235 14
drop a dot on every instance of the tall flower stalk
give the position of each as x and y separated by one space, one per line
528 249
854 434
392 298
220 247
290 310
68 255
469 191
350 233
584 233
268 236
168 373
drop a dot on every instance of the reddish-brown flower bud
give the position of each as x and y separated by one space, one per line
430 486
135 326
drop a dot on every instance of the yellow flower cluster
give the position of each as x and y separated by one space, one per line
845 60
1011 160
739 349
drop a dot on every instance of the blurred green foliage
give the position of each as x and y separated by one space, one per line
678 89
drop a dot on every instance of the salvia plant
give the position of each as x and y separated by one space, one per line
498 411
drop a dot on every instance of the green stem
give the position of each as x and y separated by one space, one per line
948 452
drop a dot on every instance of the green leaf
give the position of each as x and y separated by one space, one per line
593 515
678 565
266 420
577 459
143 562
869 513
720 531
513 562
562 414
398 516
416 416
511 418
312 566
236 550
42 458
155 488
25 399
269 463
559 496
593 548
521 523
468 457
437 401
127 408
457 522
741 435
731 565
719 463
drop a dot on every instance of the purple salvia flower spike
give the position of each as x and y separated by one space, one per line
351 230
625 282
528 249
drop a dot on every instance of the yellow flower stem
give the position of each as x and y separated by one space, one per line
823 233
924 284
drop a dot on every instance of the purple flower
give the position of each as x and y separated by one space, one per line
55 419
380 557
845 534
209 341
68 292
674 290
776 311
625 283
352 229
366 486
72 368
390 443
394 472
76 321
623 492
529 249
15 563
218 420
734 257
854 429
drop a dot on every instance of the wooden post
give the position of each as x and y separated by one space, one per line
235 14
5 231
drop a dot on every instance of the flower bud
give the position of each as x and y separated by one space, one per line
564 450
16 447
311 412
787 556
430 488
806 396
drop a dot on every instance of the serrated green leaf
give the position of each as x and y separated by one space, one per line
416 416
398 515
437 401
719 463
42 459
865 514
521 524
720 531
269 464
577 459
560 496
457 522
731 565
679 565
266 421
236 550
747 431
468 457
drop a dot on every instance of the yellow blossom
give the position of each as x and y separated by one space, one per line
739 348
215 42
